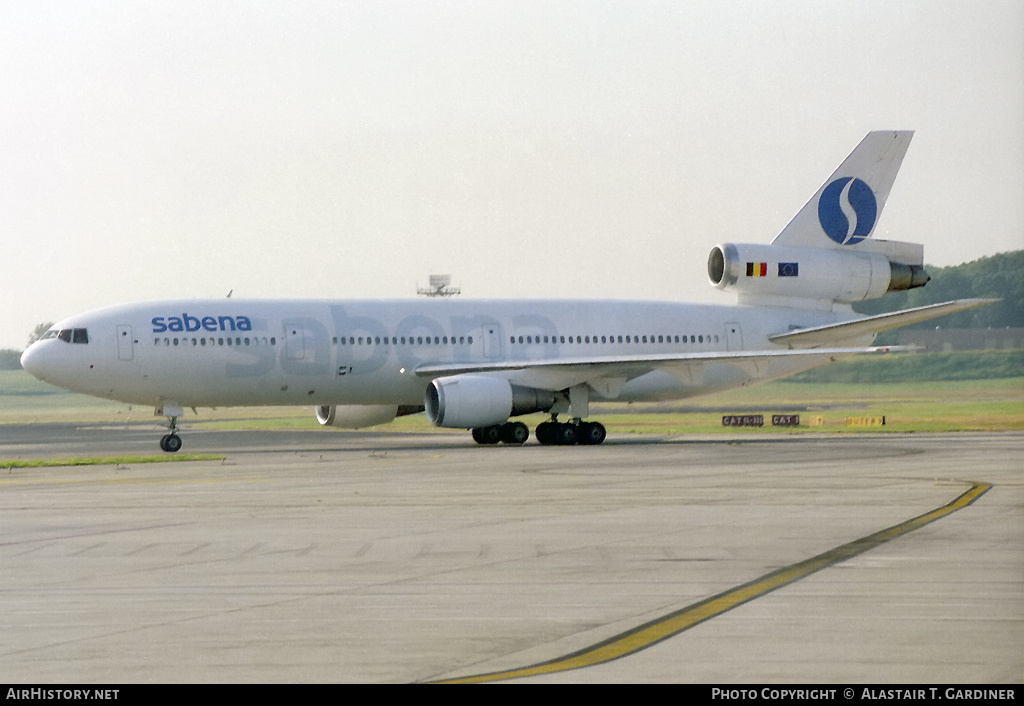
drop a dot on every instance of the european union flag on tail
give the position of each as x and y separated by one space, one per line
789 269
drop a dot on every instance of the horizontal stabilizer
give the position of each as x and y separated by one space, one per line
834 333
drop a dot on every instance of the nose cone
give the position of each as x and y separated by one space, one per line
33 360
30 360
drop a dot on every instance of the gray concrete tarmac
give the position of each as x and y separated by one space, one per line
328 556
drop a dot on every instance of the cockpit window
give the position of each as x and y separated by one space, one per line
71 335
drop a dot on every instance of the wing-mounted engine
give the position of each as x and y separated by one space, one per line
474 401
797 276
355 416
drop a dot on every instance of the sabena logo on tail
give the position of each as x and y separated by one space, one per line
826 256
847 210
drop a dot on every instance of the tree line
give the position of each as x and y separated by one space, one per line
996 277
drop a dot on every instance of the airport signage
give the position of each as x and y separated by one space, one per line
743 420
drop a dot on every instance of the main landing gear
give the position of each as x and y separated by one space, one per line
575 402
555 433
550 433
515 433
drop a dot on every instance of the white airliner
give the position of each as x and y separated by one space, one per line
475 364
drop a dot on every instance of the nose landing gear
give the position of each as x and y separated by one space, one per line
170 443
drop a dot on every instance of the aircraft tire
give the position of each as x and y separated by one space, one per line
487 435
548 433
566 435
514 433
171 443
591 433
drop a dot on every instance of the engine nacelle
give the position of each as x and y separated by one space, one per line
809 273
355 416
471 401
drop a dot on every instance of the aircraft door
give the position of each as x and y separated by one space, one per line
733 337
294 341
491 340
125 343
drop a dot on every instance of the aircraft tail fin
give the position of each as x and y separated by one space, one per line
826 256
845 210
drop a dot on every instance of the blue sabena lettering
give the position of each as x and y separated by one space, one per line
207 323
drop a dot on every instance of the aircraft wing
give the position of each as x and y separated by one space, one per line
835 333
607 374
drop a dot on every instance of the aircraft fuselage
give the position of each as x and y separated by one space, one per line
228 352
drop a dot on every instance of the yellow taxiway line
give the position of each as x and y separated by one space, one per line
662 628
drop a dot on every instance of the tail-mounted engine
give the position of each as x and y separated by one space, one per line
826 275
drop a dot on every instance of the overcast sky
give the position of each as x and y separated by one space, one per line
531 149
